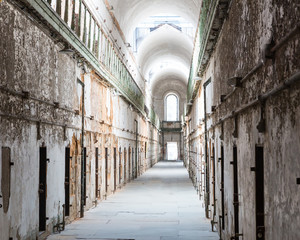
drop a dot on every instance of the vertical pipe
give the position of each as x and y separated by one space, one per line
207 199
82 153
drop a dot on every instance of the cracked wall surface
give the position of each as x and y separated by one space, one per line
239 49
42 107
42 104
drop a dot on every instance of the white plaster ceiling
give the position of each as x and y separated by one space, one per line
130 13
164 45
170 73
160 90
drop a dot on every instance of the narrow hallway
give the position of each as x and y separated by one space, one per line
97 95
160 205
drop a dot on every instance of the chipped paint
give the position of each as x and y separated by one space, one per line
51 117
239 49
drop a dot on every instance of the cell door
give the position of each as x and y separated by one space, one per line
132 164
84 170
259 192
67 181
222 188
96 173
43 189
235 193
106 170
115 169
120 166
125 165
129 161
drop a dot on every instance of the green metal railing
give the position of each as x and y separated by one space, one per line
76 23
207 14
154 118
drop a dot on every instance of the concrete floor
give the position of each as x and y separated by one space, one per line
160 205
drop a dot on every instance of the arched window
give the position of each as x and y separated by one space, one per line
171 107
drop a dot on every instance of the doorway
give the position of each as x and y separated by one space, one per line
235 193
120 166
84 173
115 169
172 151
42 189
125 165
106 170
97 173
259 193
67 181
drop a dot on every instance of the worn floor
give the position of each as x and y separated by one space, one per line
160 205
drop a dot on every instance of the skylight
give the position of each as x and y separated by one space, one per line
154 22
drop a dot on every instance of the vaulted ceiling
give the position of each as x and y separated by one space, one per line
164 55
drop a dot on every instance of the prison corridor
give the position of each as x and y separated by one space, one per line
162 204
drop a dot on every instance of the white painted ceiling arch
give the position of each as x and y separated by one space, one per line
169 75
130 13
161 88
166 45
164 55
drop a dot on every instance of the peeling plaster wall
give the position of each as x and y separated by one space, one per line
250 25
49 115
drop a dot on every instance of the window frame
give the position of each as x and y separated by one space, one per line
166 107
